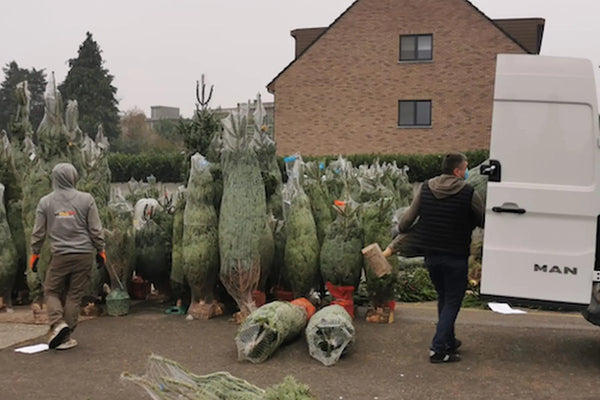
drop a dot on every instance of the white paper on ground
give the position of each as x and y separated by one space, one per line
36 348
504 308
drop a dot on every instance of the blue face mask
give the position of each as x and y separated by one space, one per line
466 174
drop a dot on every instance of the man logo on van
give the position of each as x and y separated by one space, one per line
555 269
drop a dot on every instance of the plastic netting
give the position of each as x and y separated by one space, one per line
120 241
8 253
267 328
200 242
242 215
478 181
330 334
341 259
165 379
301 256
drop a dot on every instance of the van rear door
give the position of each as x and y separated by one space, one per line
542 201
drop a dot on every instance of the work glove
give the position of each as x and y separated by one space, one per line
33 262
101 259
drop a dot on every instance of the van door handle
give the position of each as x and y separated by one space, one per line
512 208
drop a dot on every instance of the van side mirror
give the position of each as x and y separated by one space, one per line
493 170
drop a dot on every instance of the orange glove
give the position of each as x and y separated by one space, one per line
101 259
33 261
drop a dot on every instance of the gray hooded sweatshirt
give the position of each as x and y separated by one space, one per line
67 216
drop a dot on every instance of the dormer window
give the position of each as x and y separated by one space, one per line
416 47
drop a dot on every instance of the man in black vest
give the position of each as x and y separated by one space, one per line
448 210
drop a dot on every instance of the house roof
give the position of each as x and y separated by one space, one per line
527 33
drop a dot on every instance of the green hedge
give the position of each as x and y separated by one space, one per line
421 166
168 167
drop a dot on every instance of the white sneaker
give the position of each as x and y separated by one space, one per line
66 345
58 335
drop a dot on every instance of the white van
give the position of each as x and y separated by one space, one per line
543 196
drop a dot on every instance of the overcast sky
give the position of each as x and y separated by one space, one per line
156 50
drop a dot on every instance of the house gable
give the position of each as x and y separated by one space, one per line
525 32
341 94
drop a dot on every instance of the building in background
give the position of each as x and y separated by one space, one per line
269 108
158 113
396 76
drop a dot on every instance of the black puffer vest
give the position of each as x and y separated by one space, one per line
444 225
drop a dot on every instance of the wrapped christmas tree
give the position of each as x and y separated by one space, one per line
13 199
52 148
167 380
120 241
301 260
377 224
243 212
153 243
264 146
8 256
200 244
341 257
330 334
178 284
320 200
269 326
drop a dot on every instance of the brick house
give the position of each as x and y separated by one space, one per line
396 76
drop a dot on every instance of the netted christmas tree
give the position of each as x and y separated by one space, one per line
153 242
242 214
301 260
52 148
21 131
267 328
178 284
265 148
165 379
120 241
200 233
13 200
479 182
320 199
341 257
376 219
96 176
75 136
330 334
8 256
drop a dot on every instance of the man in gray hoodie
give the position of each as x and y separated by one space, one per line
69 218
448 209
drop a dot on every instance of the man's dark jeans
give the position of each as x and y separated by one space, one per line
449 276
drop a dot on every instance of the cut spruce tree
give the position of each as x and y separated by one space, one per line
267 328
377 224
8 255
200 246
243 212
301 259
341 257
330 334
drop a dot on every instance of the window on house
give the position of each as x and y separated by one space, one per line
416 47
414 113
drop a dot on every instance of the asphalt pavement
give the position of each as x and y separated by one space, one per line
538 355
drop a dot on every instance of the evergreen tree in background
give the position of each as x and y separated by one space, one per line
91 85
36 81
198 133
